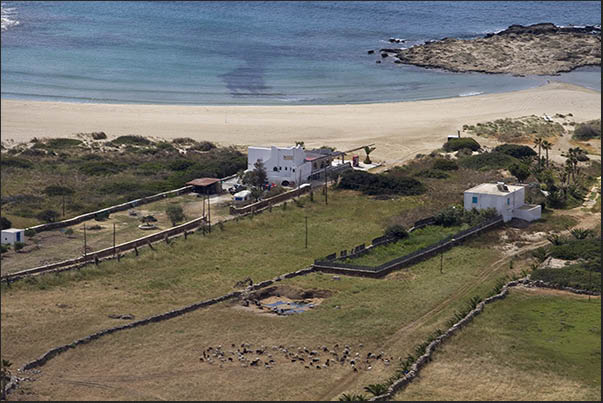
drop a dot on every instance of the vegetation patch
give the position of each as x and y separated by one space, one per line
528 346
515 150
575 276
376 184
460 143
588 130
129 140
516 130
489 160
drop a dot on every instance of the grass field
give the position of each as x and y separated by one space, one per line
533 345
392 314
416 240
160 361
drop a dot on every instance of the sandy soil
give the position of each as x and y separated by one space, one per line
400 130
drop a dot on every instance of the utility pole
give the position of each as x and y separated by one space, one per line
113 239
326 197
306 232
63 206
209 214
85 240
441 262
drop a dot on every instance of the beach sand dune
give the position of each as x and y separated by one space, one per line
400 130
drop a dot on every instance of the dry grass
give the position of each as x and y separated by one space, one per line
55 246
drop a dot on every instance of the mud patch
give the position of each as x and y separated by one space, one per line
283 300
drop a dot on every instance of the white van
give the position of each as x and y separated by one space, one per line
243 197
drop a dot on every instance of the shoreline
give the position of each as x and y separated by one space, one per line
399 129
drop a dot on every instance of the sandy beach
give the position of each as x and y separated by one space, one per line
399 130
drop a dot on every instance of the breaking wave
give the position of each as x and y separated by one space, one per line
8 16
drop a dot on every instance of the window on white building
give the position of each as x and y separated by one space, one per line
474 199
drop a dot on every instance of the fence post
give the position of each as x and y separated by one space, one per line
136 250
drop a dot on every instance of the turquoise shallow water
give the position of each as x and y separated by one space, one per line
254 52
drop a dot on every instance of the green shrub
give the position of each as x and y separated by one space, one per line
3 248
375 184
48 215
175 214
15 162
588 249
588 130
62 143
575 276
203 146
491 160
464 152
445 164
101 168
515 150
57 190
433 173
457 215
19 245
131 140
463 142
98 135
396 231
180 165
183 140
30 232
69 231
5 223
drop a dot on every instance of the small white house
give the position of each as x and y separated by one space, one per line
12 235
242 197
288 166
508 200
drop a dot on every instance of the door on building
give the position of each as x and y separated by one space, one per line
18 237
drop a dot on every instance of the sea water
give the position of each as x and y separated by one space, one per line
256 52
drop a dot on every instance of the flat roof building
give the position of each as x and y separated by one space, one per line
507 200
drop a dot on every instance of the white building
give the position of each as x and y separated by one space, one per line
12 235
287 165
242 197
508 200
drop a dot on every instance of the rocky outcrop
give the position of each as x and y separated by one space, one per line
540 49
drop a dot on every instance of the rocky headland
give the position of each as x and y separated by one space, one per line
539 49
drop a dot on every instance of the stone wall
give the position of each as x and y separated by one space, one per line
112 209
330 266
270 201
107 252
401 383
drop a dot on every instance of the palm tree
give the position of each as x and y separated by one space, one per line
376 389
546 146
538 143
368 150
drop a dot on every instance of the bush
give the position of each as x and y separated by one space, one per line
445 165
180 165
520 171
515 150
396 231
101 168
464 152
19 245
131 140
433 173
588 130
183 140
203 146
15 162
175 214
3 248
48 215
457 215
375 184
491 160
463 142
98 135
62 143
588 249
574 276
5 223
57 190
30 232
69 231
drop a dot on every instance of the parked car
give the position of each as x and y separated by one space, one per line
236 188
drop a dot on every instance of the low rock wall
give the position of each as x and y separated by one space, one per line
112 209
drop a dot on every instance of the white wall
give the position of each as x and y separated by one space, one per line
11 237
281 163
498 202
